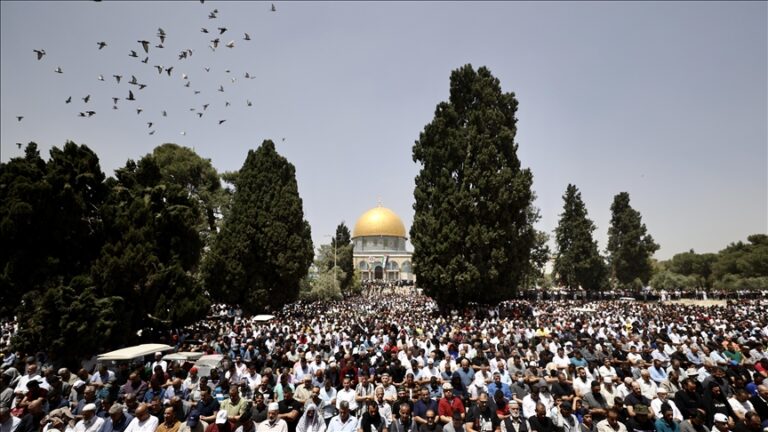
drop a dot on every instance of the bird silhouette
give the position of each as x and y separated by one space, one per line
165 113
145 45
184 76
130 96
151 132
207 69
197 91
273 8
82 114
215 43
142 86
117 77
19 118
139 110
247 37
90 113
114 107
146 59
115 99
205 107
221 121
222 30
133 54
221 88
101 44
183 133
58 70
200 115
159 46
230 44
149 125
204 30
133 80
233 79
161 35
187 84
211 15
248 103
87 98
159 69
40 53
18 145
101 77
169 70
69 99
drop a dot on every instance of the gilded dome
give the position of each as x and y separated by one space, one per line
379 221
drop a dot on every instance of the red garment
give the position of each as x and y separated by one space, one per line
446 408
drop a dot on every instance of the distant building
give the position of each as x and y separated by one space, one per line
379 247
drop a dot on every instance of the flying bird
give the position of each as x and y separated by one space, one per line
197 91
221 121
233 79
221 88
204 30
205 107
141 86
273 8
101 44
159 69
215 43
117 77
146 59
222 30
69 99
87 98
248 103
183 76
90 113
200 115
114 107
151 132
149 125
115 99
101 77
165 114
231 44
159 46
58 70
169 70
187 84
18 145
133 54
207 69
183 133
145 45
19 118
130 96
40 53
226 103
133 80
211 15
139 110
247 37
161 35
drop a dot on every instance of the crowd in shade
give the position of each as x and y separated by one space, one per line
401 364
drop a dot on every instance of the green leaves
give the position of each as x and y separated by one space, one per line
630 247
472 231
577 262
264 247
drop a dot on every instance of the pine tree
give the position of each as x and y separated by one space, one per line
344 248
630 247
472 230
578 262
264 247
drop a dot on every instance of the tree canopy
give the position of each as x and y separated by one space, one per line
630 247
472 230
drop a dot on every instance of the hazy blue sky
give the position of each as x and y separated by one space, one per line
667 101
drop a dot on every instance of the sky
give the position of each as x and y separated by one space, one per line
666 101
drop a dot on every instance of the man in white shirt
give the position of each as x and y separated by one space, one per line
346 394
273 423
344 422
8 423
159 362
89 423
143 420
740 403
661 398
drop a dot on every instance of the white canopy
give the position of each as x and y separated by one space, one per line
133 352
262 318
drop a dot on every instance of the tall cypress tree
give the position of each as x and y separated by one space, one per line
472 230
578 262
630 247
264 247
342 243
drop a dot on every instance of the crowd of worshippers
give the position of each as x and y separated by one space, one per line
369 364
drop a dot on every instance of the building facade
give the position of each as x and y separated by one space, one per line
379 247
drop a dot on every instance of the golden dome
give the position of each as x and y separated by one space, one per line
379 221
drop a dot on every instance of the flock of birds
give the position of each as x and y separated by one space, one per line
143 50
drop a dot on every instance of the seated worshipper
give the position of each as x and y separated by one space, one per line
666 423
695 424
402 399
235 406
740 403
90 422
564 419
118 419
636 398
456 424
246 423
273 423
448 405
540 422
344 422
290 409
611 423
432 425
403 422
642 421
422 405
193 423
371 420
661 399
482 416
221 424
751 423
515 422
143 420
170 423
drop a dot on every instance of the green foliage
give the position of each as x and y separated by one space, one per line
264 247
324 287
698 267
630 247
670 281
472 230
342 241
578 262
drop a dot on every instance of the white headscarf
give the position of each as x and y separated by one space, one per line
313 424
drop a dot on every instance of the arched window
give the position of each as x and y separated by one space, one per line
363 265
406 267
391 265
